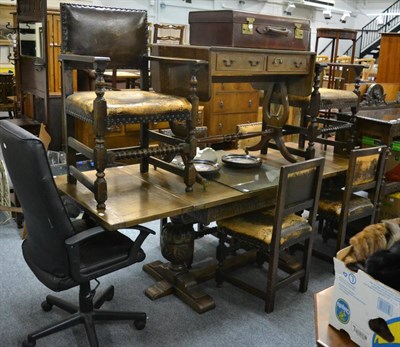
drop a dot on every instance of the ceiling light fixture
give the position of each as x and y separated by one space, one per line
344 17
327 13
289 9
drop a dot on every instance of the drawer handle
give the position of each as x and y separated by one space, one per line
250 103
220 127
254 63
297 64
228 62
277 61
273 30
221 104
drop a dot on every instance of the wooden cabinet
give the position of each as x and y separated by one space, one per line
53 41
388 71
230 104
53 50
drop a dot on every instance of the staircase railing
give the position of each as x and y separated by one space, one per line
370 34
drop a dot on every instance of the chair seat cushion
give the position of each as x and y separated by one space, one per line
105 250
331 204
258 225
337 98
330 98
130 106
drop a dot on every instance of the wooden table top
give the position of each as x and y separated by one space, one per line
326 335
135 198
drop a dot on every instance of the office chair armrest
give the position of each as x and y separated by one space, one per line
175 60
144 232
73 250
83 236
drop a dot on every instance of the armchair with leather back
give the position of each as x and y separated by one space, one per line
62 253
99 37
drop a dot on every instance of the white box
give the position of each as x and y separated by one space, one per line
357 298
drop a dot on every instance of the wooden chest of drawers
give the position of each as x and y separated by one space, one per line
230 104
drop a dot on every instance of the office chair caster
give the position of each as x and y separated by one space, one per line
27 343
46 307
140 323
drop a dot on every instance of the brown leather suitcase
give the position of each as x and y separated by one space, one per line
249 30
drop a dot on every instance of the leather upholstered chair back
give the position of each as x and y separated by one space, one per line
84 26
46 219
272 230
339 206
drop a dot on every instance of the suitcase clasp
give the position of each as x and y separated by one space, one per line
247 28
298 32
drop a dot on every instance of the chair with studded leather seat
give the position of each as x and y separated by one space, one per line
271 231
98 37
330 111
358 200
327 116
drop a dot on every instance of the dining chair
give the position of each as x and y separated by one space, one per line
358 199
330 113
62 253
370 62
273 230
168 33
123 34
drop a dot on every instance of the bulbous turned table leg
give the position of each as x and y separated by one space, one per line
177 246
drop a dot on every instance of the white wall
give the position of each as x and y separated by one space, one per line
176 11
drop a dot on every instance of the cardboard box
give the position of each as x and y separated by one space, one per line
357 298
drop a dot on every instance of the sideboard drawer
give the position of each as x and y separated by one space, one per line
226 123
287 63
235 102
237 62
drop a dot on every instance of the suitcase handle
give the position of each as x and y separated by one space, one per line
273 30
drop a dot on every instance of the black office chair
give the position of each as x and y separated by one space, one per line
273 230
64 254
